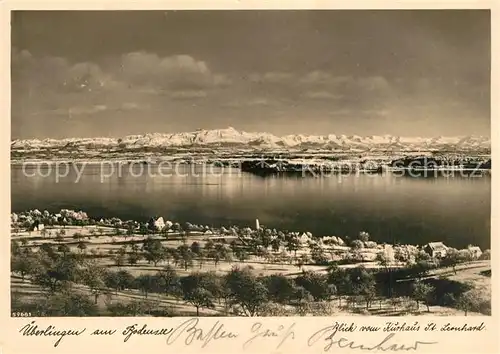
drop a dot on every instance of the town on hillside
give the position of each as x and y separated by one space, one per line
71 264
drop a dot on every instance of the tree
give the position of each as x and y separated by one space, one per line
361 282
133 258
47 249
421 268
77 236
302 295
130 231
318 256
216 285
64 249
69 304
384 261
234 247
303 259
242 255
52 274
465 256
422 256
196 248
154 251
486 255
209 245
357 244
316 284
451 259
219 253
119 259
82 246
143 229
112 280
364 236
340 278
15 248
195 293
169 279
146 283
59 238
185 256
93 276
200 298
283 257
134 248
125 279
449 300
468 301
93 232
280 289
293 244
395 302
24 264
423 292
276 244
246 290
401 255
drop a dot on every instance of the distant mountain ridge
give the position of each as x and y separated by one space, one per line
231 137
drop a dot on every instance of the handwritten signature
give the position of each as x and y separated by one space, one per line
194 333
190 332
259 332
329 336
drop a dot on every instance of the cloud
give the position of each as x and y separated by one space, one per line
76 110
272 77
57 74
376 112
317 77
322 95
373 83
341 112
91 109
127 106
188 94
139 71
221 80
259 101
251 102
321 78
176 72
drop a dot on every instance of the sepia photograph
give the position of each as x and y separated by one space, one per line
224 163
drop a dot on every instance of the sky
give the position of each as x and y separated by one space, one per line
116 73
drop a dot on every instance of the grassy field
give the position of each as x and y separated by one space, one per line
99 245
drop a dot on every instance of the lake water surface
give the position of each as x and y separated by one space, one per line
391 208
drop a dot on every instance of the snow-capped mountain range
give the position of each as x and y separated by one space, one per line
231 137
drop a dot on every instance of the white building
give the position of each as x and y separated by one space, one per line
159 223
436 249
475 251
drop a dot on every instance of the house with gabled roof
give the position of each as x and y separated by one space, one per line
436 249
475 251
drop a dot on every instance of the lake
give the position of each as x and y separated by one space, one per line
391 208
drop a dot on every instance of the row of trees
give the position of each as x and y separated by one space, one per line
240 291
258 241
